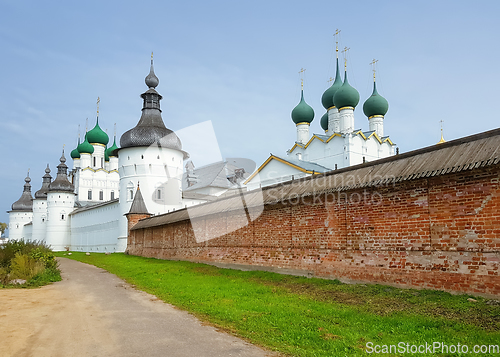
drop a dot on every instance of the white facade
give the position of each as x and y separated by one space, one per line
96 228
17 222
158 171
59 207
39 232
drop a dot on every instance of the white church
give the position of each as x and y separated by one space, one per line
86 208
341 145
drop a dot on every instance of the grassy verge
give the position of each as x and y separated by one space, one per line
309 317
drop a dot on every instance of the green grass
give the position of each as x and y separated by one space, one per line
308 317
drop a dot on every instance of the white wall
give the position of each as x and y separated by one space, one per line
96 229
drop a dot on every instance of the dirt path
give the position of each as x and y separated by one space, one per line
93 313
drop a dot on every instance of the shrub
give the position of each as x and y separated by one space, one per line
25 267
27 260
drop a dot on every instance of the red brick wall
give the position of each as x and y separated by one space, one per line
440 233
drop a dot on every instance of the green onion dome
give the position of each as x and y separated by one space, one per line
302 113
376 104
327 98
112 150
324 121
97 135
85 147
75 154
346 96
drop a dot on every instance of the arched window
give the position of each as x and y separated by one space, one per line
131 194
101 195
89 195
112 195
94 161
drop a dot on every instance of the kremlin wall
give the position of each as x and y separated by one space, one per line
429 218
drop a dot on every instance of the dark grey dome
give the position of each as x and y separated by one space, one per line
25 203
151 129
146 136
61 183
42 193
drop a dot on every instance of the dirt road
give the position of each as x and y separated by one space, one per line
93 313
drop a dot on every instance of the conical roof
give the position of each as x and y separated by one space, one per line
346 95
138 206
61 183
327 98
25 203
42 193
151 129
302 113
376 104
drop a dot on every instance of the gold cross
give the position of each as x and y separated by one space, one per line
345 56
336 35
151 57
301 72
98 101
373 67
330 80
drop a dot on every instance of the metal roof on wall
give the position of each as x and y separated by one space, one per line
462 154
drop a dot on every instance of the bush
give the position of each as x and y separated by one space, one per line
27 260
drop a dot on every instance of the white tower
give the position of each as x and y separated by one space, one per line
40 209
151 155
60 203
21 213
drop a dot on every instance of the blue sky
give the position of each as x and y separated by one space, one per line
236 64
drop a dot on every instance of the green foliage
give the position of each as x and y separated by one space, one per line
27 260
25 267
308 317
3 227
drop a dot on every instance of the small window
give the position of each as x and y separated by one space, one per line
94 162
131 194
101 195
158 194
90 195
112 195
142 156
62 217
102 162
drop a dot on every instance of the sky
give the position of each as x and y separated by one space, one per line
236 65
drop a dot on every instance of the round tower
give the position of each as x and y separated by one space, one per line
21 213
60 203
302 116
40 208
150 154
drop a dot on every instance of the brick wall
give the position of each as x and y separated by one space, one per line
440 233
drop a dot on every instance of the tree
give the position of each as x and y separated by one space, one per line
3 227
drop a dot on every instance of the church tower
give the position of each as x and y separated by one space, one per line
302 116
152 155
60 203
21 213
40 209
